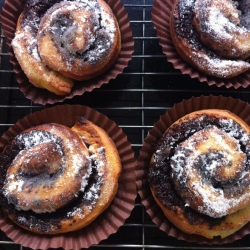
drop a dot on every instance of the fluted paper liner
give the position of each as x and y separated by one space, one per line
120 208
237 107
161 19
10 13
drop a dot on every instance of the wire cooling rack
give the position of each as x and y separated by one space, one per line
134 100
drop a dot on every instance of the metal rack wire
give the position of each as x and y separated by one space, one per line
134 100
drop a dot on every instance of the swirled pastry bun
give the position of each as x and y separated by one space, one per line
212 35
199 174
58 41
80 44
56 179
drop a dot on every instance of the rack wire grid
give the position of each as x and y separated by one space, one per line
134 100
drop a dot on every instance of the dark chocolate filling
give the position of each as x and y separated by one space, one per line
34 10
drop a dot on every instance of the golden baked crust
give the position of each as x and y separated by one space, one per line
57 41
92 176
190 48
191 160
96 137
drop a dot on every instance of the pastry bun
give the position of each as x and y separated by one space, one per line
207 37
56 179
199 173
57 42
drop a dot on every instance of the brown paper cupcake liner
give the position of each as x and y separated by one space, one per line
161 19
120 208
10 13
237 107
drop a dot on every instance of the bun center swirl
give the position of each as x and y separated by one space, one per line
69 28
220 27
49 170
212 35
78 38
212 166
45 157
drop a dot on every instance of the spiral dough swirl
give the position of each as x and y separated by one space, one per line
212 35
213 169
220 27
79 39
200 173
48 170
55 179
59 41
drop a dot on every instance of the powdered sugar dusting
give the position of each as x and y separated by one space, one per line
90 37
217 66
70 37
219 23
217 26
31 45
46 163
210 161
91 192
